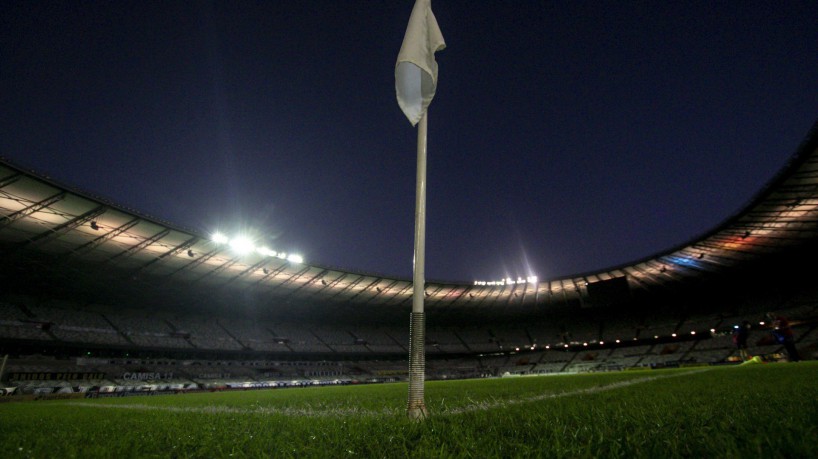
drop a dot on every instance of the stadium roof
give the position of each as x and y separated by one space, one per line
58 241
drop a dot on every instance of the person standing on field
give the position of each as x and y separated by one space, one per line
740 335
783 334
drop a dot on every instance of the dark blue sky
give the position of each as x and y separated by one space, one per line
565 137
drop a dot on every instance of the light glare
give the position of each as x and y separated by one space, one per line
241 245
266 252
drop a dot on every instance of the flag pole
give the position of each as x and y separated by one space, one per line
415 86
416 408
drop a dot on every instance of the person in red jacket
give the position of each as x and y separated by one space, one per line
783 334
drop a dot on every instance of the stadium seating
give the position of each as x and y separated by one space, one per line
241 348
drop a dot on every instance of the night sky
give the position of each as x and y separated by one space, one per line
565 137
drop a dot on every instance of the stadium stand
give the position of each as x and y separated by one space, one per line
134 302
381 340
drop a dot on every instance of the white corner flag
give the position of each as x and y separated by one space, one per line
416 69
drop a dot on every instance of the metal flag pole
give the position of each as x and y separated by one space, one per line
416 408
415 86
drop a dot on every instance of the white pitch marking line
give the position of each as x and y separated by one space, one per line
482 406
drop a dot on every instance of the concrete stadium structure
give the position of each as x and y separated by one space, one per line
82 276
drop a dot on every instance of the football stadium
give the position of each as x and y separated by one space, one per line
103 306
126 335
93 289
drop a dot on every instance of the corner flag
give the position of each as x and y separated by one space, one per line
415 85
416 69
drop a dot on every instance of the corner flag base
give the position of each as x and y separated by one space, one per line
417 412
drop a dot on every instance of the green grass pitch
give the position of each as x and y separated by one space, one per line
748 411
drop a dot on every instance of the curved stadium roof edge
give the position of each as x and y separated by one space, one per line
803 153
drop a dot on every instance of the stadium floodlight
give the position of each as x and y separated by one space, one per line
266 252
508 281
241 245
220 238
295 258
